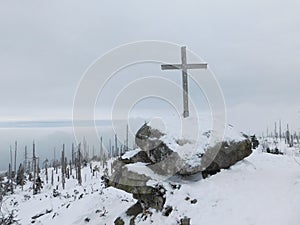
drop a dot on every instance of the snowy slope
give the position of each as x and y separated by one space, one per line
263 189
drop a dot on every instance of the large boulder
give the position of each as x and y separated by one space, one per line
148 139
163 160
227 155
150 196
182 159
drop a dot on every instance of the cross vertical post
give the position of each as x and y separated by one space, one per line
184 83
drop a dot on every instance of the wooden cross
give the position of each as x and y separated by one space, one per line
184 67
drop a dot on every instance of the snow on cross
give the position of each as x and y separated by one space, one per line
184 67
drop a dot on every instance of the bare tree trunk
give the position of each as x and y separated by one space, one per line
275 131
11 160
34 168
68 173
46 169
52 177
38 169
79 166
288 135
111 168
84 149
280 134
116 145
54 162
101 152
10 178
15 168
73 154
127 141
109 155
70 168
63 167
26 161
76 167
1 197
93 151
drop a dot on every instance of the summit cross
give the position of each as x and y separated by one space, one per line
184 67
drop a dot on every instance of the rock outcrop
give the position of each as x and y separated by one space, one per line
163 160
150 196
141 171
228 154
166 161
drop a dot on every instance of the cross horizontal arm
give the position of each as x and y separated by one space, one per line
187 66
197 66
171 67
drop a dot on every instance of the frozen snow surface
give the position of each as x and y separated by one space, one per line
262 189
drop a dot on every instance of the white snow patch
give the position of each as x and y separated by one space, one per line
130 154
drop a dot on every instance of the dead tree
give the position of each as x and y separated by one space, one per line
116 145
70 168
127 141
73 154
65 165
275 131
93 151
101 152
34 169
85 150
38 169
76 168
280 134
66 168
46 170
1 195
54 162
26 161
11 160
68 173
52 177
10 179
20 179
109 154
79 165
63 172
288 135
15 168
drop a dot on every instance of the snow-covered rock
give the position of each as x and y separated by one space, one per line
192 150
162 154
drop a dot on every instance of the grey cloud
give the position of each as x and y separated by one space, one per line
252 46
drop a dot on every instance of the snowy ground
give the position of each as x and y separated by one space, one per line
263 189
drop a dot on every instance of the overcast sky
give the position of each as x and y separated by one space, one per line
253 47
